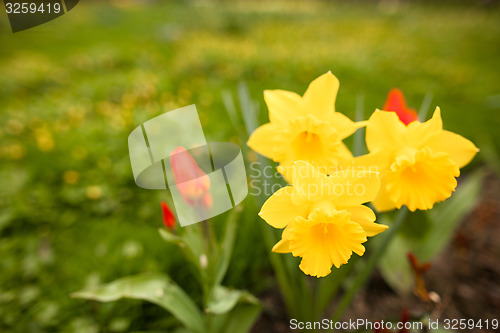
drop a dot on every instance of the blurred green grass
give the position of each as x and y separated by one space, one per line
71 91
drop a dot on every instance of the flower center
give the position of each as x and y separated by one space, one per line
321 232
308 146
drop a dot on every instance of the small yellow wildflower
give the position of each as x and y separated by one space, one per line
323 216
304 128
421 160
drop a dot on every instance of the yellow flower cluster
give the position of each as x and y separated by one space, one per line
322 211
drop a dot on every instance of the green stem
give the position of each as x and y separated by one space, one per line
370 264
327 287
358 147
209 244
209 235
205 283
279 268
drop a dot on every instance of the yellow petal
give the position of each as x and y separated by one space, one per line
344 125
320 97
353 186
384 131
383 202
343 154
420 133
279 210
316 265
365 217
461 150
309 184
283 105
375 161
262 140
286 170
283 246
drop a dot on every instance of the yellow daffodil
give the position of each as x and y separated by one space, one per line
323 216
420 161
304 128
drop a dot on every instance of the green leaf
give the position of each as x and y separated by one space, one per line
489 152
394 266
227 244
228 101
358 146
5 218
416 225
182 330
234 310
223 300
155 288
193 242
169 237
328 286
241 318
189 243
249 108
424 107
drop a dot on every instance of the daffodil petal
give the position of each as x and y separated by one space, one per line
365 217
320 97
344 159
318 266
353 186
384 130
283 246
279 210
309 183
343 153
344 125
375 161
282 105
262 140
420 133
460 149
383 202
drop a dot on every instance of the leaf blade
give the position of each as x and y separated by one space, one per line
155 288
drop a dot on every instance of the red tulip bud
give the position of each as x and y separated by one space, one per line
192 183
168 216
396 102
